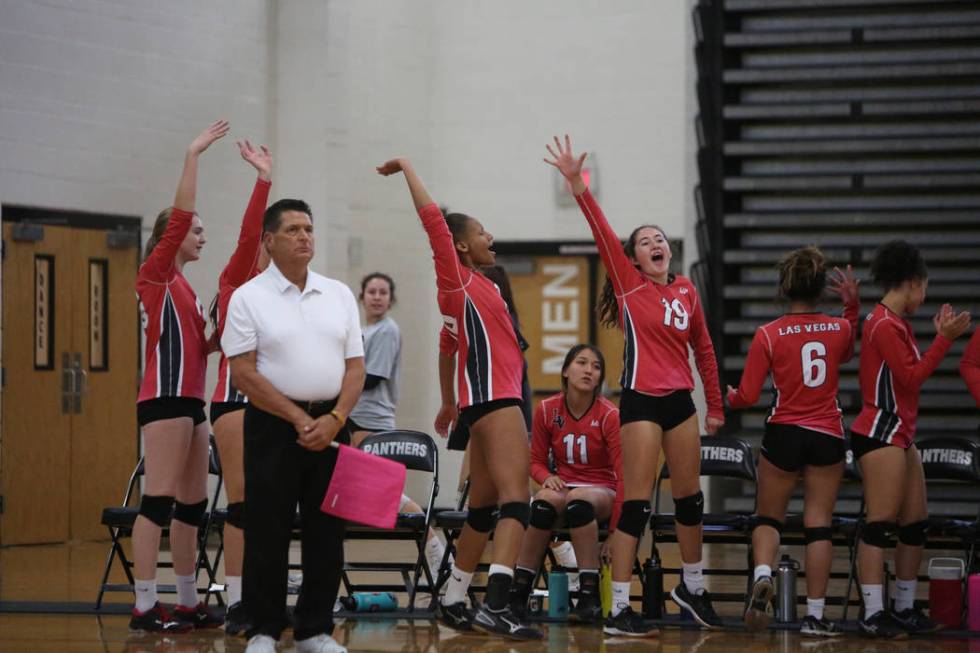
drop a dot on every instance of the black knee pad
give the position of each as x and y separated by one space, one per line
689 511
634 517
483 519
762 520
518 510
543 515
879 533
913 534
190 513
817 534
579 513
157 509
236 514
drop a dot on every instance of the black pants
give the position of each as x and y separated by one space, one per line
279 473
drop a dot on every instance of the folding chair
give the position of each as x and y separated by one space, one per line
417 451
119 521
950 461
722 457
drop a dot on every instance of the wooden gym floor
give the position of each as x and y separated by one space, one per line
69 575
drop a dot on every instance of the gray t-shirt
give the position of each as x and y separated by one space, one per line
375 410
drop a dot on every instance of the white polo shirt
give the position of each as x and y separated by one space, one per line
302 339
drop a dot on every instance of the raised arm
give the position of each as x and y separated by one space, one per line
845 285
450 273
622 273
160 262
245 258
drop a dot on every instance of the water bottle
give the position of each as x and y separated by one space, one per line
374 602
557 594
786 572
653 588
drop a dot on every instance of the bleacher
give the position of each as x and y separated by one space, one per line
842 123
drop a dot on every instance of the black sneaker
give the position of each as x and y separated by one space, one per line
588 610
880 625
519 608
758 612
698 605
236 621
503 623
915 622
629 624
199 617
813 627
457 616
157 620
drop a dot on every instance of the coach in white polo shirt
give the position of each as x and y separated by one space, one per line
293 339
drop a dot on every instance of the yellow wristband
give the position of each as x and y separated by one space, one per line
338 416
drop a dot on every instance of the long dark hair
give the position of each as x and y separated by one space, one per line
802 274
159 228
498 275
608 307
570 356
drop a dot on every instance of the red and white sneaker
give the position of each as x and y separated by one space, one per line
157 620
200 616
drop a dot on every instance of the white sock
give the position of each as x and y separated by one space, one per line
814 607
500 569
694 577
146 594
872 600
187 591
234 585
904 594
762 570
434 550
621 597
459 582
565 555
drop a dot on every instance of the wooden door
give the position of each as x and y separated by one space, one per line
35 451
105 354
70 355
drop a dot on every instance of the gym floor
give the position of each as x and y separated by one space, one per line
65 578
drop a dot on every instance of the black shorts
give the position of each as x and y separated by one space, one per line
460 436
668 411
862 444
220 408
355 427
791 448
154 410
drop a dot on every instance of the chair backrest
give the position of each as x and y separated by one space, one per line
414 449
724 456
852 471
950 459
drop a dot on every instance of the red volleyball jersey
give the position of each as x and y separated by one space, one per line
476 324
659 322
970 366
242 266
175 359
803 353
586 449
892 371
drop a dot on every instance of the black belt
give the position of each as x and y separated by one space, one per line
316 408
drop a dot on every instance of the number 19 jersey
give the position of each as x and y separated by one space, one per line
802 352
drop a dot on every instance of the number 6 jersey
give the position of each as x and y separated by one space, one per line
803 353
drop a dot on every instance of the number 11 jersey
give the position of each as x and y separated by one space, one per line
802 352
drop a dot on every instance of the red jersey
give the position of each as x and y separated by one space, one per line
586 449
970 366
803 353
892 371
242 266
476 324
175 359
659 322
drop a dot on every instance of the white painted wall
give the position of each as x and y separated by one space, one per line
98 99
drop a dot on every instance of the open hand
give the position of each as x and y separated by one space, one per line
845 285
215 131
554 483
712 424
447 416
260 159
950 324
392 167
569 165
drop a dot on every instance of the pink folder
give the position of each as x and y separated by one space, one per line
364 488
